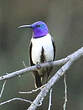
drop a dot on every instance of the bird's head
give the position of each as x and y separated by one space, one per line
39 28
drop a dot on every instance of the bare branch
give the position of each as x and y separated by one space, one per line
2 88
32 91
65 101
24 64
50 99
50 83
31 68
38 100
73 57
13 99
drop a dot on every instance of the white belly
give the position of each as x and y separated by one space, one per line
37 45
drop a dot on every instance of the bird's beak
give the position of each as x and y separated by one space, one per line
25 26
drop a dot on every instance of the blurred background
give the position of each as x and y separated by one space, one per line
65 21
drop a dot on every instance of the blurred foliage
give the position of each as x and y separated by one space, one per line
65 22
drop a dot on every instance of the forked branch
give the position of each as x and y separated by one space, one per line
66 62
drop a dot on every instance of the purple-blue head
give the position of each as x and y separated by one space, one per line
39 28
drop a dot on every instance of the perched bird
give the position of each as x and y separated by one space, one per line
42 49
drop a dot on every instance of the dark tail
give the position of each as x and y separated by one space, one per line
37 79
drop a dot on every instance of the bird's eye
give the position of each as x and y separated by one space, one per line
37 25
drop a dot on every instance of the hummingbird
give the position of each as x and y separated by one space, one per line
41 49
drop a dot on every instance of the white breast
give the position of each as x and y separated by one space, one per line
37 45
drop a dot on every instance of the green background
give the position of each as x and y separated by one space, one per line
65 21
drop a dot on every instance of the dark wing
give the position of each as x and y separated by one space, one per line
54 47
30 54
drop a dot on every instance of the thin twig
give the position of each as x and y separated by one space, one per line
50 99
3 88
65 101
25 67
24 64
13 99
32 91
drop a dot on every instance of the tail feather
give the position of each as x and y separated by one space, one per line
42 76
37 80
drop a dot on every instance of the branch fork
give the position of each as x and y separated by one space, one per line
66 62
